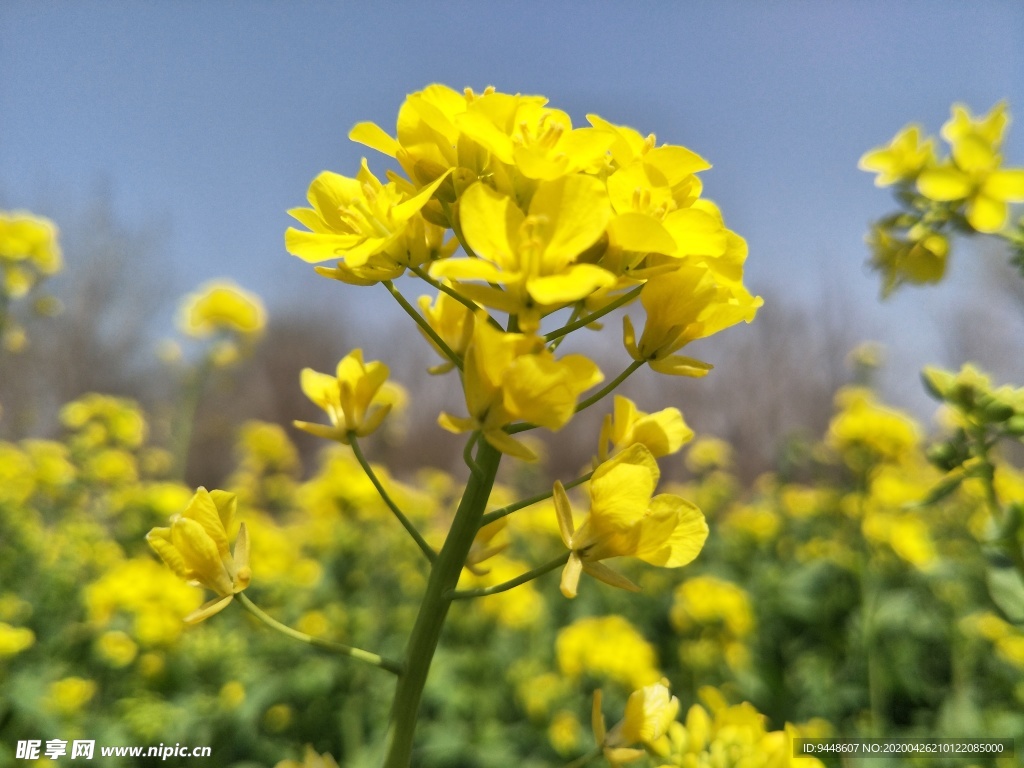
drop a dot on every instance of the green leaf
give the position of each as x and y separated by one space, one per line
1006 588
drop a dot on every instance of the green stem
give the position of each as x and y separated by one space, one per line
373 659
444 575
181 438
593 316
406 523
497 514
424 325
630 369
582 760
540 570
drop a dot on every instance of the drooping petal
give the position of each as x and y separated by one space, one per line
571 576
689 531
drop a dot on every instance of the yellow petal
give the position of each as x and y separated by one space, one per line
987 214
160 540
200 555
576 282
577 211
203 509
640 233
944 184
571 576
490 223
687 537
1006 185
375 137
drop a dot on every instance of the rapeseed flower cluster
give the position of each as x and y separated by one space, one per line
967 189
29 253
549 217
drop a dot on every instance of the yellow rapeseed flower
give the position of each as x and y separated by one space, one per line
900 160
221 305
512 376
310 760
533 254
356 398
354 219
974 173
626 519
606 647
14 640
195 547
684 305
649 713
663 433
68 695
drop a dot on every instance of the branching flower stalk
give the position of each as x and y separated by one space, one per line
511 215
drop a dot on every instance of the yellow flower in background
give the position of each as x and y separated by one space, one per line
974 173
68 695
195 547
662 433
710 732
902 159
354 219
29 251
356 398
512 376
533 255
310 760
221 305
14 640
705 601
649 713
116 648
626 519
918 258
865 432
606 647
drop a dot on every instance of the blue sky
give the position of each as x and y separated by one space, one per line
212 118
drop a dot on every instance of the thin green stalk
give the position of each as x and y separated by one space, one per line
584 321
582 760
444 575
497 514
540 570
394 667
424 325
427 550
184 422
467 453
425 277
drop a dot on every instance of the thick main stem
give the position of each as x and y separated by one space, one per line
444 575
